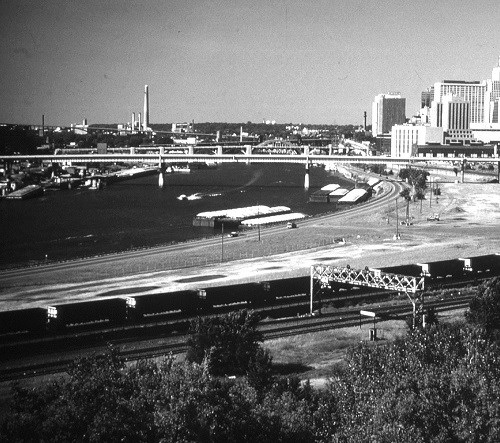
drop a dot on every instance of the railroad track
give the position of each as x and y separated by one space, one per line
272 329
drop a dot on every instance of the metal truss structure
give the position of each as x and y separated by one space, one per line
413 287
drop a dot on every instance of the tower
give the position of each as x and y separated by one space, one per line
387 110
146 109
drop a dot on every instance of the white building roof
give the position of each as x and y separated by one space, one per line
353 196
339 191
273 219
250 211
330 187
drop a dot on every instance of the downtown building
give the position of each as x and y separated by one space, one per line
449 100
387 110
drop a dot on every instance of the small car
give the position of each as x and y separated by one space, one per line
233 234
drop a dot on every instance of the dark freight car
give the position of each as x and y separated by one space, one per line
232 294
482 264
444 268
153 305
33 320
288 287
109 311
409 270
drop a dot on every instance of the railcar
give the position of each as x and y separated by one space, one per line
152 306
443 269
239 294
287 287
106 312
482 264
23 321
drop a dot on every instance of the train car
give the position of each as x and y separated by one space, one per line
109 311
240 294
152 306
409 270
482 264
443 269
287 287
23 321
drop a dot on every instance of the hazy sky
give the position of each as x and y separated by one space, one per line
234 60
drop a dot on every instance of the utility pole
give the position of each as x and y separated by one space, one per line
258 215
397 220
222 244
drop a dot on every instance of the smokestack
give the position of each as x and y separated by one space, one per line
139 122
364 115
133 121
146 108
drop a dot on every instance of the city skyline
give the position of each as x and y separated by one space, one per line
320 62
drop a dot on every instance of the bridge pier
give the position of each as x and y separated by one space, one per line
219 150
248 151
191 150
161 169
306 178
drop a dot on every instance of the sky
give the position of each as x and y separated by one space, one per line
292 61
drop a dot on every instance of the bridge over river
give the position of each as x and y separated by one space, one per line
282 152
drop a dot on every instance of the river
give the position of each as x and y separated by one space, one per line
64 225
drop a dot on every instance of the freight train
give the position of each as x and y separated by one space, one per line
120 311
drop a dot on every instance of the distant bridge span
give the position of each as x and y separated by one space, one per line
182 157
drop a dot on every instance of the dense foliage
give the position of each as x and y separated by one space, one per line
230 342
439 384
484 308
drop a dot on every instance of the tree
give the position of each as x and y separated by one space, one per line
230 342
484 308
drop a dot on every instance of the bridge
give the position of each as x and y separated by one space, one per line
264 153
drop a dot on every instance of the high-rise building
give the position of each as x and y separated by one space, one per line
426 97
387 110
473 92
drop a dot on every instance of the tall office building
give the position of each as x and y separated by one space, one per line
493 95
387 110
473 92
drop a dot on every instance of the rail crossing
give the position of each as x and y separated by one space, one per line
325 275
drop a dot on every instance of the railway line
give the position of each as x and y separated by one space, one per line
132 348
